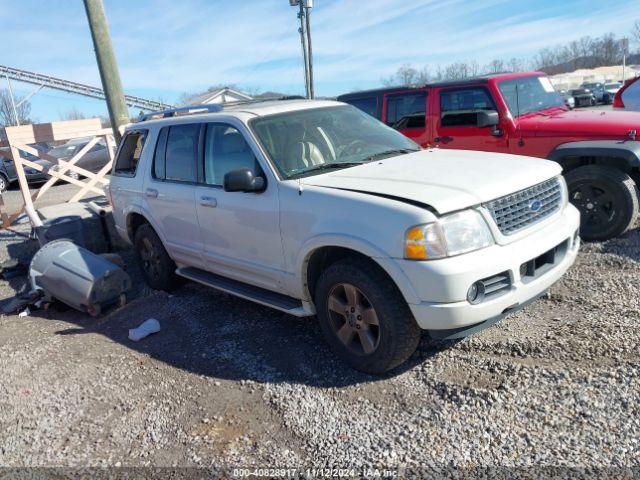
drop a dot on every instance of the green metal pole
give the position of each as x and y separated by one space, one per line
111 83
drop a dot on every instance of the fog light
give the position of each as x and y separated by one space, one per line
475 294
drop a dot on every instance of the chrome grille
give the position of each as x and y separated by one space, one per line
514 212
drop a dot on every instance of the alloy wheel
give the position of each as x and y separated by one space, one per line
353 319
151 261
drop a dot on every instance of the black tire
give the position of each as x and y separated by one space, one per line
157 267
607 199
398 334
4 183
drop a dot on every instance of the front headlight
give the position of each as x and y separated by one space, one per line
450 235
564 190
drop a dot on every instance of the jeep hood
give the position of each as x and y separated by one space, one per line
589 124
445 180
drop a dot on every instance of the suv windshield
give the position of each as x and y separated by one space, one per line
308 142
529 94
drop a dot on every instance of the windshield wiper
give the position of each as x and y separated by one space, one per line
324 166
388 153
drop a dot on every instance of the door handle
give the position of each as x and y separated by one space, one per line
443 139
208 202
151 193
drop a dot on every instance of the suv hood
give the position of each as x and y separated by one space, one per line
590 124
446 180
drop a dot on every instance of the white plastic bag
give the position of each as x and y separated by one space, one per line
144 330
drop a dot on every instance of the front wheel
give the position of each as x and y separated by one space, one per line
364 317
4 183
607 199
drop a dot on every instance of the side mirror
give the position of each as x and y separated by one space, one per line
487 118
243 180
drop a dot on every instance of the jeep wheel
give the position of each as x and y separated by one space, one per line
157 267
4 184
607 200
364 317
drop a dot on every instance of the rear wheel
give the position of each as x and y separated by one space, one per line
157 267
4 183
607 200
364 317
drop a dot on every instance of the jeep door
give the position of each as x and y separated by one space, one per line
457 120
407 113
170 192
240 230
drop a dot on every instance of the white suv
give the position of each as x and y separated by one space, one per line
315 208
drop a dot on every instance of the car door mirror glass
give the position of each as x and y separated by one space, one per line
243 180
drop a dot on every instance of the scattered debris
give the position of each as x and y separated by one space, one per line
22 300
114 258
78 277
145 329
13 268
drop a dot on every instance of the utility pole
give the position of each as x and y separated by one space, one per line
625 51
305 39
308 5
109 75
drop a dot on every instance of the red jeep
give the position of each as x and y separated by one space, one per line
522 114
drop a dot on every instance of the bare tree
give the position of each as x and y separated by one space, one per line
7 117
405 76
423 76
635 31
495 66
515 65
460 70
73 114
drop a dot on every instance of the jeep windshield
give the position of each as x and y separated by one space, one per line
529 94
308 142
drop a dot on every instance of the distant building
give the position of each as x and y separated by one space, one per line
219 95
571 80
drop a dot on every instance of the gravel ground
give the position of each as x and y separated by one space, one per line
228 383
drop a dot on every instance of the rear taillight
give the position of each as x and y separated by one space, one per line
107 193
617 100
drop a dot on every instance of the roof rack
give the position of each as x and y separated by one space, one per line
174 112
209 107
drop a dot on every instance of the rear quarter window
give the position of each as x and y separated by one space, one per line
368 105
129 153
407 110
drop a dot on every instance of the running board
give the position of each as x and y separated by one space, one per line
259 295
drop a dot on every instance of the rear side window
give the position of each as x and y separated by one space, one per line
367 105
407 110
460 107
176 153
129 154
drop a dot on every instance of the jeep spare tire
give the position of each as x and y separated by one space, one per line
607 200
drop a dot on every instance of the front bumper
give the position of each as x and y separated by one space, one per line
443 284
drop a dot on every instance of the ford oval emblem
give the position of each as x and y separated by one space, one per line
535 206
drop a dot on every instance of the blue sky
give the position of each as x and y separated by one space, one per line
165 48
